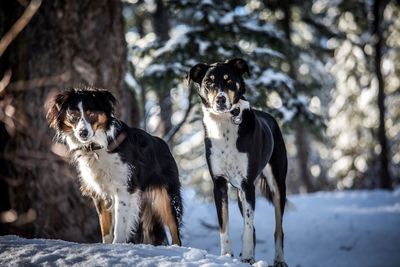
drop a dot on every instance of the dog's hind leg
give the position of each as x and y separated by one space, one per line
247 199
176 207
169 208
278 189
221 204
279 236
152 229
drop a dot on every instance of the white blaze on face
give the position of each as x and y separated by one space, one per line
215 105
82 125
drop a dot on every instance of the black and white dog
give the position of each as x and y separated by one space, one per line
239 143
131 175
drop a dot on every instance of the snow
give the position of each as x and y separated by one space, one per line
224 52
178 39
272 77
16 251
203 45
268 51
347 228
156 69
228 18
267 28
287 114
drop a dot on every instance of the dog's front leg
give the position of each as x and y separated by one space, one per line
105 218
247 199
221 203
108 238
121 216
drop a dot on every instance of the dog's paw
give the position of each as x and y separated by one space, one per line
249 261
228 254
280 264
107 239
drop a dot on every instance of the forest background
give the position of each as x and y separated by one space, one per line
327 70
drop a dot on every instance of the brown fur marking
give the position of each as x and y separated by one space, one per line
67 126
149 219
161 204
100 121
231 95
104 218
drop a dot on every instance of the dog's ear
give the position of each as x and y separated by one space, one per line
239 65
109 100
197 73
54 107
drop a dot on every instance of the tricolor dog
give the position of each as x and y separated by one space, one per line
239 143
131 175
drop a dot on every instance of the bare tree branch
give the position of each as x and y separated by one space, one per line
168 137
5 81
23 85
19 25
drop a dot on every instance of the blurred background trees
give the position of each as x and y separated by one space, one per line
313 65
326 69
65 44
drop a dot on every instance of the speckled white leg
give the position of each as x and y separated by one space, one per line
133 213
247 253
121 208
226 247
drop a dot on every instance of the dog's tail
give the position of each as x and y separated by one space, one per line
268 194
265 189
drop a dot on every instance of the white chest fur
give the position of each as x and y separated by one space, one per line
225 159
104 176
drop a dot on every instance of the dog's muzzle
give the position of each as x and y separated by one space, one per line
221 103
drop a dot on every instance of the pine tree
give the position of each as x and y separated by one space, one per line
360 93
209 31
206 31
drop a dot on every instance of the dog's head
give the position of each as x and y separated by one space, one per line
81 114
221 84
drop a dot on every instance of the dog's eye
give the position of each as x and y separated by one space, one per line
208 85
73 117
92 116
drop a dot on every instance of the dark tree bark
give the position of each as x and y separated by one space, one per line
378 8
303 157
67 43
161 28
301 134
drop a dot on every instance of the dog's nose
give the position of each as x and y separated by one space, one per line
221 100
83 133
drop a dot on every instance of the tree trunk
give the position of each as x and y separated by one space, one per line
67 43
300 132
161 28
378 8
303 157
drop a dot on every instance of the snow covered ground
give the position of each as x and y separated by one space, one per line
354 228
